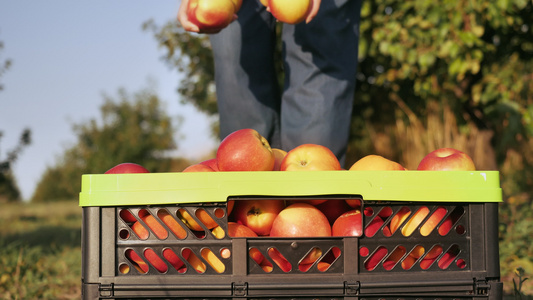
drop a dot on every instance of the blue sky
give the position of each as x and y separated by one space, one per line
65 55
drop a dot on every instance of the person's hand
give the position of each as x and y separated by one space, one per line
315 5
190 26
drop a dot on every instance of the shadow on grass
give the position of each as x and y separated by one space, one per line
46 237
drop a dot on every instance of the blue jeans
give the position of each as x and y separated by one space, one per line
320 65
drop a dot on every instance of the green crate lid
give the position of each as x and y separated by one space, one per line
202 187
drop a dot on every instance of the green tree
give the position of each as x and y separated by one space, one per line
9 190
431 74
135 128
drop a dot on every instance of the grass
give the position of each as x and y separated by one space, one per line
40 252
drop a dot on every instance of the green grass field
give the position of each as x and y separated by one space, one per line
40 252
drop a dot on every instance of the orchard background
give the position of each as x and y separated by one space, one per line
431 74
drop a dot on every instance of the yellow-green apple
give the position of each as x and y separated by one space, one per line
211 14
333 209
310 157
127 168
349 223
245 150
279 155
290 11
376 163
447 159
259 214
300 220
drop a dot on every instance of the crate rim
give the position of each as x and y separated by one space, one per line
203 187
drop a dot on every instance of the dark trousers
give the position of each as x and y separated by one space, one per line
319 62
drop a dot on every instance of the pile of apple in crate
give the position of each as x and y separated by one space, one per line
247 150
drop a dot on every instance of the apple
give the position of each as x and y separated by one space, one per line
348 224
376 163
290 11
127 168
155 260
239 230
447 159
264 2
137 261
153 224
245 150
258 215
373 227
279 259
279 155
212 163
376 257
415 221
238 4
198 168
300 220
333 209
310 157
354 203
172 224
398 219
201 214
433 221
174 259
213 260
211 14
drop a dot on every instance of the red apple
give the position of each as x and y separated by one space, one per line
300 220
258 215
211 14
279 259
127 168
212 163
447 159
198 168
348 224
310 157
333 209
245 150
376 163
290 11
239 230
373 227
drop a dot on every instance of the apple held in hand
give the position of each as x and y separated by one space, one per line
245 150
300 220
258 215
376 163
447 159
127 168
310 157
289 11
211 14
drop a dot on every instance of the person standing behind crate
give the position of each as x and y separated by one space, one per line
320 64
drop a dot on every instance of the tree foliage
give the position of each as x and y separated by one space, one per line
431 74
134 128
9 190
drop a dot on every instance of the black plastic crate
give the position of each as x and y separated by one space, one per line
464 261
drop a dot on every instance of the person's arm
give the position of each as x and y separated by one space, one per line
315 5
